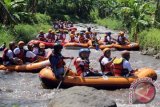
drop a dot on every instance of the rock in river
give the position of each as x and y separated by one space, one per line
81 96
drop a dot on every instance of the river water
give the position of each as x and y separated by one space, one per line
25 90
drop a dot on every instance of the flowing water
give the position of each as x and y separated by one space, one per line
25 90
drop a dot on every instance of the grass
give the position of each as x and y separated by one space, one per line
110 23
150 38
6 36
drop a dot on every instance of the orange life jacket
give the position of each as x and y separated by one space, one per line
79 69
117 67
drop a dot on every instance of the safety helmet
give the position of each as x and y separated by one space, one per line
11 44
84 50
50 30
87 32
108 33
71 35
21 43
106 50
53 32
42 45
121 33
57 46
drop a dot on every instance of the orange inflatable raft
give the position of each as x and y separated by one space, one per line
131 46
74 45
32 67
48 79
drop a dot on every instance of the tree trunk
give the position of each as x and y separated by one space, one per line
157 12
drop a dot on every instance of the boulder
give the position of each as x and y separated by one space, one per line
157 56
81 96
149 51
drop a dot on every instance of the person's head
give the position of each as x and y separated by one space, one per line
53 33
30 47
89 29
57 48
50 30
12 45
126 55
95 33
71 35
72 31
84 53
121 33
41 32
42 46
77 34
108 33
87 33
21 44
107 52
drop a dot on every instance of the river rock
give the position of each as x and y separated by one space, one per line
149 51
157 56
81 96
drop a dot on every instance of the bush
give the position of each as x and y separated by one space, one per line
24 32
150 38
6 36
110 23
42 18
27 32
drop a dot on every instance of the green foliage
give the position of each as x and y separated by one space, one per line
27 32
150 38
5 35
42 18
110 23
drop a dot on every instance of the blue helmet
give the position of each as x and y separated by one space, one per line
84 50
108 33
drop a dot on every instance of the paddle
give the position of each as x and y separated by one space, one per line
64 75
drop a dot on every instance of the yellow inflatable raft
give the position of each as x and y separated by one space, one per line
48 79
32 67
131 46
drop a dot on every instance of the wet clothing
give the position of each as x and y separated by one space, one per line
30 56
57 64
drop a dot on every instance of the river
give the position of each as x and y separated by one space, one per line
24 89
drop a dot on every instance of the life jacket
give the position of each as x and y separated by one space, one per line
122 41
4 56
81 39
56 61
117 66
104 68
88 36
30 59
21 55
41 53
49 36
72 39
79 68
106 40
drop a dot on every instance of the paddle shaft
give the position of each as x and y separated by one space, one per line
64 75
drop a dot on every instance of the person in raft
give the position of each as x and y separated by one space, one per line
106 62
122 40
82 62
122 66
8 57
57 61
108 38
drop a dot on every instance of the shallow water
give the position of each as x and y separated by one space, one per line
25 90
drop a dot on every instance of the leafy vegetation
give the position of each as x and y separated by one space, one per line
133 15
